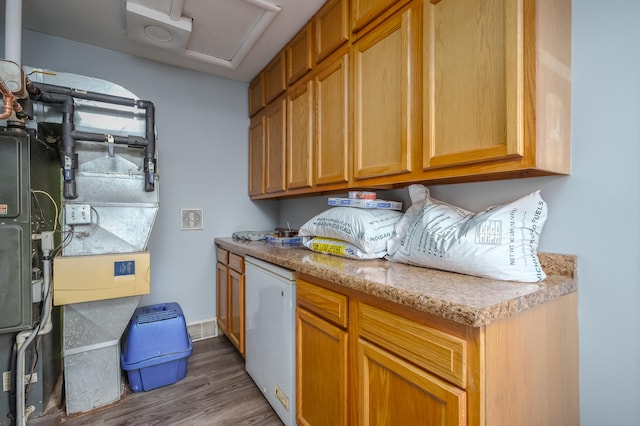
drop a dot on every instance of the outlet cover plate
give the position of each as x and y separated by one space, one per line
191 219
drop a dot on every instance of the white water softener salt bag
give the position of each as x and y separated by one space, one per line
341 248
367 229
500 242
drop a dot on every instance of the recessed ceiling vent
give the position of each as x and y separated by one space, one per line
151 26
221 32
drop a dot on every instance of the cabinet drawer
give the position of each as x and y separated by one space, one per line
328 304
236 262
223 255
438 352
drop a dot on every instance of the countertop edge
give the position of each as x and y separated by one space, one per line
561 270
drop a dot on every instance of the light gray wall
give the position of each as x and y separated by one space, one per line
202 128
594 213
201 124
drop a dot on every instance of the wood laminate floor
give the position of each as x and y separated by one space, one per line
216 391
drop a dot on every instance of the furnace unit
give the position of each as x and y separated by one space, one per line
77 191
29 190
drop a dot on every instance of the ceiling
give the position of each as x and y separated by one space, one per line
228 38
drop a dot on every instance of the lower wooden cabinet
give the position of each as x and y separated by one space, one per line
321 378
236 327
396 392
230 289
222 294
365 361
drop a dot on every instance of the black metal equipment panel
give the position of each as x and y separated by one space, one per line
15 234
11 276
9 177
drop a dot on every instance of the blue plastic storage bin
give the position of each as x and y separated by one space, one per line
156 348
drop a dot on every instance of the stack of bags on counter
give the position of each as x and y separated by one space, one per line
500 242
358 229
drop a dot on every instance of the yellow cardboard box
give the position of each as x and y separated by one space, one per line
100 276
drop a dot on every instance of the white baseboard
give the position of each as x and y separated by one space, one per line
204 329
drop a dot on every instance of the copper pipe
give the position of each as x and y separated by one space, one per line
16 106
8 99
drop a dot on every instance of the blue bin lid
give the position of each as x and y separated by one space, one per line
156 331
156 360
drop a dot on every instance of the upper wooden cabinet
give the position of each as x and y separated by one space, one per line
257 141
332 122
300 122
318 129
331 25
275 77
257 99
365 11
497 87
299 54
275 155
386 97
313 146
430 91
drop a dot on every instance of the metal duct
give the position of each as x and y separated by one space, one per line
110 178
13 31
64 97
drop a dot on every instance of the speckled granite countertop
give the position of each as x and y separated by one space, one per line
462 298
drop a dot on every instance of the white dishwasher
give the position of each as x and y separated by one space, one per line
270 300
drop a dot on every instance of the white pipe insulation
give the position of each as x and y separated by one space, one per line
25 338
13 31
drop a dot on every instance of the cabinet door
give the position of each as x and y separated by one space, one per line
256 95
299 54
236 309
386 102
321 371
222 296
393 391
331 27
275 118
257 142
364 11
300 124
473 91
275 77
332 122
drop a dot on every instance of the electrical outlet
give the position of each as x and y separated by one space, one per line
77 214
6 381
282 397
31 378
191 219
